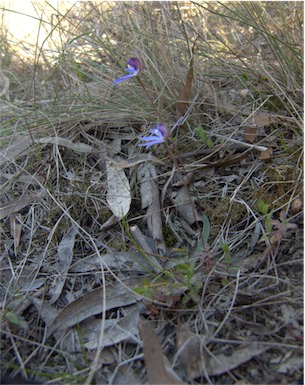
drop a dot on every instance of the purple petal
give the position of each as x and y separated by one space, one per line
134 67
135 63
148 138
147 145
121 79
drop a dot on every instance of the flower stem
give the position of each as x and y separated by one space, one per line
169 151
149 97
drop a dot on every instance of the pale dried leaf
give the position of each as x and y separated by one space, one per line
19 203
114 147
117 260
141 240
59 141
24 178
190 352
150 198
291 365
65 256
158 370
222 363
116 330
184 206
92 303
46 311
118 190
196 363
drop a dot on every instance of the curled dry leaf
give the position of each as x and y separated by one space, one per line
118 190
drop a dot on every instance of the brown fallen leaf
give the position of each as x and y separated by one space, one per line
158 368
185 94
262 119
265 155
250 134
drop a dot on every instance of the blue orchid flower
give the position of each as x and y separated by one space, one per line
133 67
160 134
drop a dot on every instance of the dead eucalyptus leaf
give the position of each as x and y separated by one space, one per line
116 330
46 311
78 146
92 303
150 198
117 260
190 352
222 363
158 368
118 190
197 364
65 256
19 203
184 206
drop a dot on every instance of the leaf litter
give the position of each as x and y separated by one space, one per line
148 243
